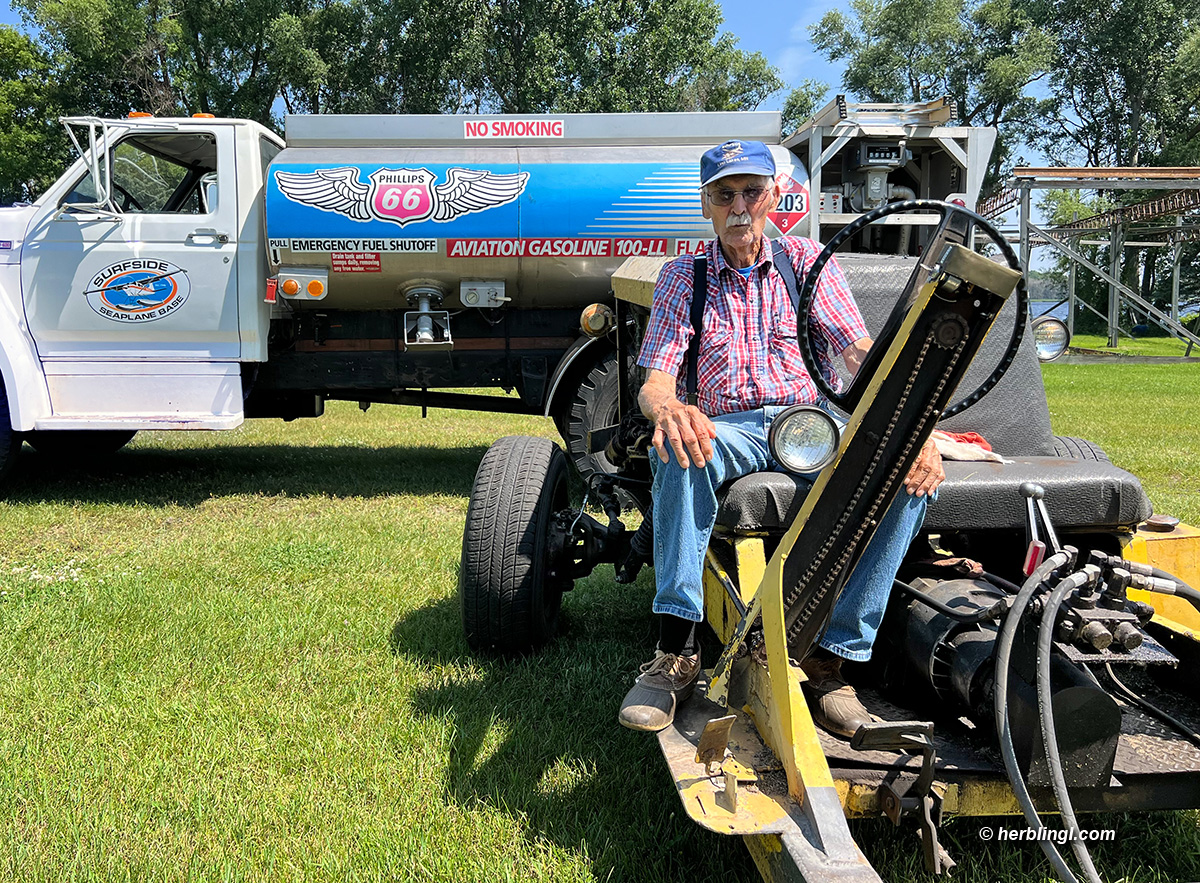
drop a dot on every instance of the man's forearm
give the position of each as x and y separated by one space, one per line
657 392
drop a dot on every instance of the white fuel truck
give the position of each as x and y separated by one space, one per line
188 273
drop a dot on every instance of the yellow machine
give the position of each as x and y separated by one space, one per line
994 680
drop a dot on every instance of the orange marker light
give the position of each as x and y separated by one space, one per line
204 116
290 287
139 114
316 288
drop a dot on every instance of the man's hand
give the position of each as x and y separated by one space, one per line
927 473
685 428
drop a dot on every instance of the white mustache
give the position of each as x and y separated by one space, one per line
739 220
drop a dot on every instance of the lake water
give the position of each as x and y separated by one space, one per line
1042 307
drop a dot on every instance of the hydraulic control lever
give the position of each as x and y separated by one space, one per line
1039 531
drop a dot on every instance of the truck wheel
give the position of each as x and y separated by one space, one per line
80 443
10 442
510 600
593 406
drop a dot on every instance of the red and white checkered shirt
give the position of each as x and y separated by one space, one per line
749 356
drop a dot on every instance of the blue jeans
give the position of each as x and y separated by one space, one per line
685 509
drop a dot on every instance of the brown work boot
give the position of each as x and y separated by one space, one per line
834 704
664 683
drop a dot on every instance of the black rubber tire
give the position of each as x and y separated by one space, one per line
593 405
509 602
79 443
10 442
1078 449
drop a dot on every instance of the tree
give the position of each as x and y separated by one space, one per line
29 138
802 102
240 57
983 53
1119 79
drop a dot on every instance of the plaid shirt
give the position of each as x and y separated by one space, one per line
749 356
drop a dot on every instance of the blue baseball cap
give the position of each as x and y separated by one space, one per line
736 158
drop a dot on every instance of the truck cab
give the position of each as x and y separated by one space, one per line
136 279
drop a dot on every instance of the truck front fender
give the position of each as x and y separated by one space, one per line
577 354
24 380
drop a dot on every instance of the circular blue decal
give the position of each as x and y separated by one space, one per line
138 290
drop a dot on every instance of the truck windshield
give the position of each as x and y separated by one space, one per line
159 173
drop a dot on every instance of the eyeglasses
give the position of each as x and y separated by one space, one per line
751 195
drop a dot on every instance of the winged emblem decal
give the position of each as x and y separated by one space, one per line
401 196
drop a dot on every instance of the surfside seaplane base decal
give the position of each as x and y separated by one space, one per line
138 290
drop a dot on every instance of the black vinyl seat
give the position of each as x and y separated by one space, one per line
1083 489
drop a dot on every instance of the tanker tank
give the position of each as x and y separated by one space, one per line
529 213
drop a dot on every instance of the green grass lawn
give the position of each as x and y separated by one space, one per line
1129 346
237 656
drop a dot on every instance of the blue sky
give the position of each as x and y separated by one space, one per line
778 30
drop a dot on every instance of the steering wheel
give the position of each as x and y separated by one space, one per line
955 226
127 197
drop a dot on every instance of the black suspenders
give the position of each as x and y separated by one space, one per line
699 298
783 265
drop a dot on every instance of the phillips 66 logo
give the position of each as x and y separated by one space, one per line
401 196
793 204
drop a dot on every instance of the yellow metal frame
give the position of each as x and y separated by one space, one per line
1178 553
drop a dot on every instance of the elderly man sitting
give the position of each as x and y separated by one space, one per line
749 369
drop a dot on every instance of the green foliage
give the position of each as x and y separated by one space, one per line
802 102
1062 207
30 141
1118 78
238 58
983 53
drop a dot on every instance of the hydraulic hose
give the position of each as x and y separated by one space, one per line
967 615
1004 645
1150 708
1001 583
1182 589
1045 646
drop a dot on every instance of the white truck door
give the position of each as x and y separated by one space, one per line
153 281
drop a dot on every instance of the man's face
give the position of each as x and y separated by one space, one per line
739 224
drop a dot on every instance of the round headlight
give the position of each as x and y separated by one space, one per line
1050 337
804 439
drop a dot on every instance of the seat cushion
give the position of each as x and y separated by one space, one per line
975 496
1013 417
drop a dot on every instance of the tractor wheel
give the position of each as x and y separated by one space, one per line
510 599
592 406
79 443
1067 446
10 442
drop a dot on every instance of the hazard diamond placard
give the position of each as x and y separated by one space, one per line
793 204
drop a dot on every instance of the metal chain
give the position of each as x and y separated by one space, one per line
848 549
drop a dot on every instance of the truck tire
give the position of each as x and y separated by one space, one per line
592 406
510 601
10 442
1072 448
79 443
